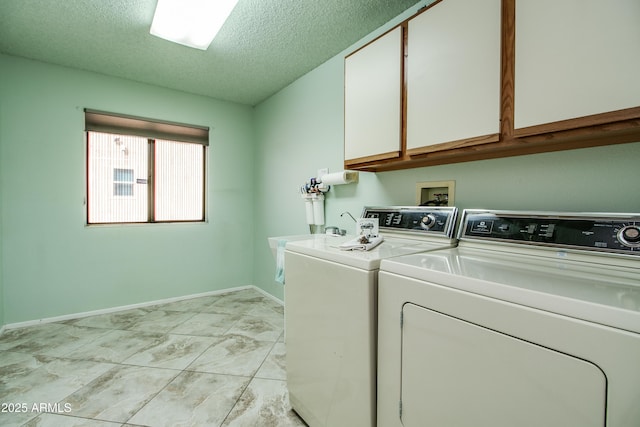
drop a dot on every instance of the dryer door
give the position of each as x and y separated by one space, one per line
456 373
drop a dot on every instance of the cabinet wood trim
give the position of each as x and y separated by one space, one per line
485 139
579 122
376 158
507 67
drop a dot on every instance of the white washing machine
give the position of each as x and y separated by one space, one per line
330 313
532 320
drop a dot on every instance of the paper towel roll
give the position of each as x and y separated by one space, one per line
337 178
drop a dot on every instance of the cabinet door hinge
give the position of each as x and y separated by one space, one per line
400 408
401 319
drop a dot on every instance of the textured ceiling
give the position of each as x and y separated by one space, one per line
264 45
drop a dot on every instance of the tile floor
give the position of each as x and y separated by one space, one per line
209 361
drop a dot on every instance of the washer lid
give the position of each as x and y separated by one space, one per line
588 291
325 247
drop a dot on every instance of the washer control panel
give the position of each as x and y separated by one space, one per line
414 219
618 233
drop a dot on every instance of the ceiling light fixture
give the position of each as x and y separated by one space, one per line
192 23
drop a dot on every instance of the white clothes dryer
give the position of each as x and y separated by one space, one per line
330 313
532 320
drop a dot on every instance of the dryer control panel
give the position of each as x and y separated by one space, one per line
618 233
414 219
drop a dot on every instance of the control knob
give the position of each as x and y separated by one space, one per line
428 221
629 235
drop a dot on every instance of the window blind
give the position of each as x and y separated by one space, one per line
100 121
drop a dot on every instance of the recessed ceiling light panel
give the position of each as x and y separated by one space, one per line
192 23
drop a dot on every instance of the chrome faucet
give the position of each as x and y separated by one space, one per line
346 212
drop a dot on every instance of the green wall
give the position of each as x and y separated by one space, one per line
300 129
52 264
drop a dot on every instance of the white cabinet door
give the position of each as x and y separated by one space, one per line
372 99
453 73
575 58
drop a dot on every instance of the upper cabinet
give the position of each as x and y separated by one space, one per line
453 76
574 59
465 80
372 100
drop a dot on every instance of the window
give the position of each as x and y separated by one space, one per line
123 182
136 174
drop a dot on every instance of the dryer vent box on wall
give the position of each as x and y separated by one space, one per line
435 193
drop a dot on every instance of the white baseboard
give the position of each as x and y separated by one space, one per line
268 295
130 307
